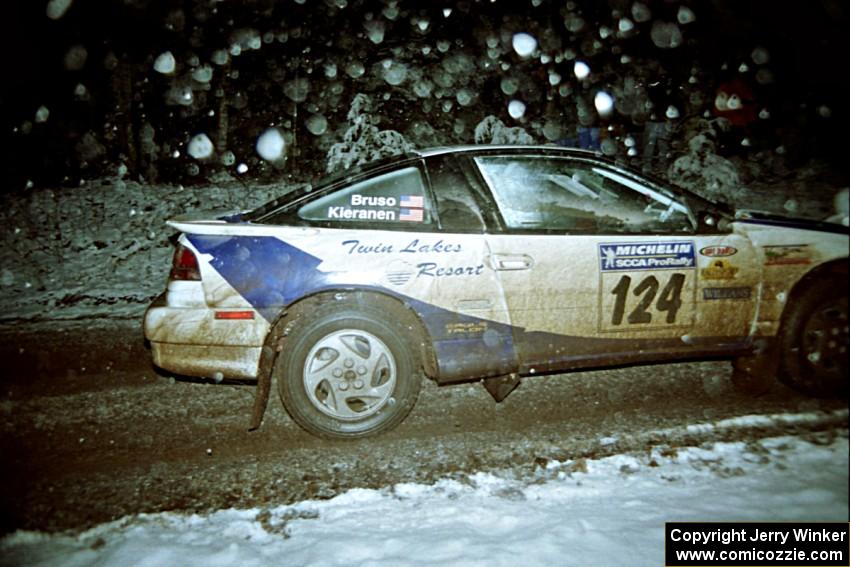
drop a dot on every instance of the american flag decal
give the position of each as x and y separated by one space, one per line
410 215
407 201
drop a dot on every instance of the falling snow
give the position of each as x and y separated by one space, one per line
581 70
270 145
200 147
524 44
57 8
165 63
516 109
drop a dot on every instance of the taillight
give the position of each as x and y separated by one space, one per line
184 266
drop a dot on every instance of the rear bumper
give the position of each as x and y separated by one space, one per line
191 341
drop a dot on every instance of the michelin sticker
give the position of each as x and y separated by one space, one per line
649 256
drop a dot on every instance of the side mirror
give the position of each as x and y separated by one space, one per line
713 222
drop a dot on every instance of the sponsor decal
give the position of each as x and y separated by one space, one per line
787 255
470 327
718 251
710 293
399 273
648 256
719 270
415 246
434 270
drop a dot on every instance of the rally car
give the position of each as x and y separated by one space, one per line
493 264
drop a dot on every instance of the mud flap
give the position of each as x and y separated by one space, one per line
264 387
500 386
756 373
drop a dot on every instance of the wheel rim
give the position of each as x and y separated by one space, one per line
350 375
825 338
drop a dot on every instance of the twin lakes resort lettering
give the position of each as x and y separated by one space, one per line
408 208
650 256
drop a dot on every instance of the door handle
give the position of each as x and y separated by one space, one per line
511 262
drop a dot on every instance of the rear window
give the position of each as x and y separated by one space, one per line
395 197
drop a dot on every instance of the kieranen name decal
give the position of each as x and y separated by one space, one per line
649 256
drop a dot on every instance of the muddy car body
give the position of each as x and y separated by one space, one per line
493 263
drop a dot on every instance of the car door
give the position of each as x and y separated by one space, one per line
473 337
727 279
596 266
381 232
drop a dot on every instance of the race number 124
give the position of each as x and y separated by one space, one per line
650 301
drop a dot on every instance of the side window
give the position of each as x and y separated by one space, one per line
397 197
561 194
456 206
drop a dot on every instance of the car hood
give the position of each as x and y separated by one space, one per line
773 219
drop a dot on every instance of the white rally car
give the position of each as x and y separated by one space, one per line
493 263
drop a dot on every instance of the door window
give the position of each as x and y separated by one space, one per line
457 190
556 194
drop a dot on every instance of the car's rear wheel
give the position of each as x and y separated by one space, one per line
814 340
349 369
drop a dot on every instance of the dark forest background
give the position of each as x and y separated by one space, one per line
80 96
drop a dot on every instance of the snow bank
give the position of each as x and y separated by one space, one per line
101 249
609 511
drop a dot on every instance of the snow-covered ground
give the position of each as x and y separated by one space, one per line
609 511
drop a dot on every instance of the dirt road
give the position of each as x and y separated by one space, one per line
89 432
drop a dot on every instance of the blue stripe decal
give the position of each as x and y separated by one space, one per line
266 271
488 350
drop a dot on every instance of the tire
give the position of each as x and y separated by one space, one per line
349 368
813 345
